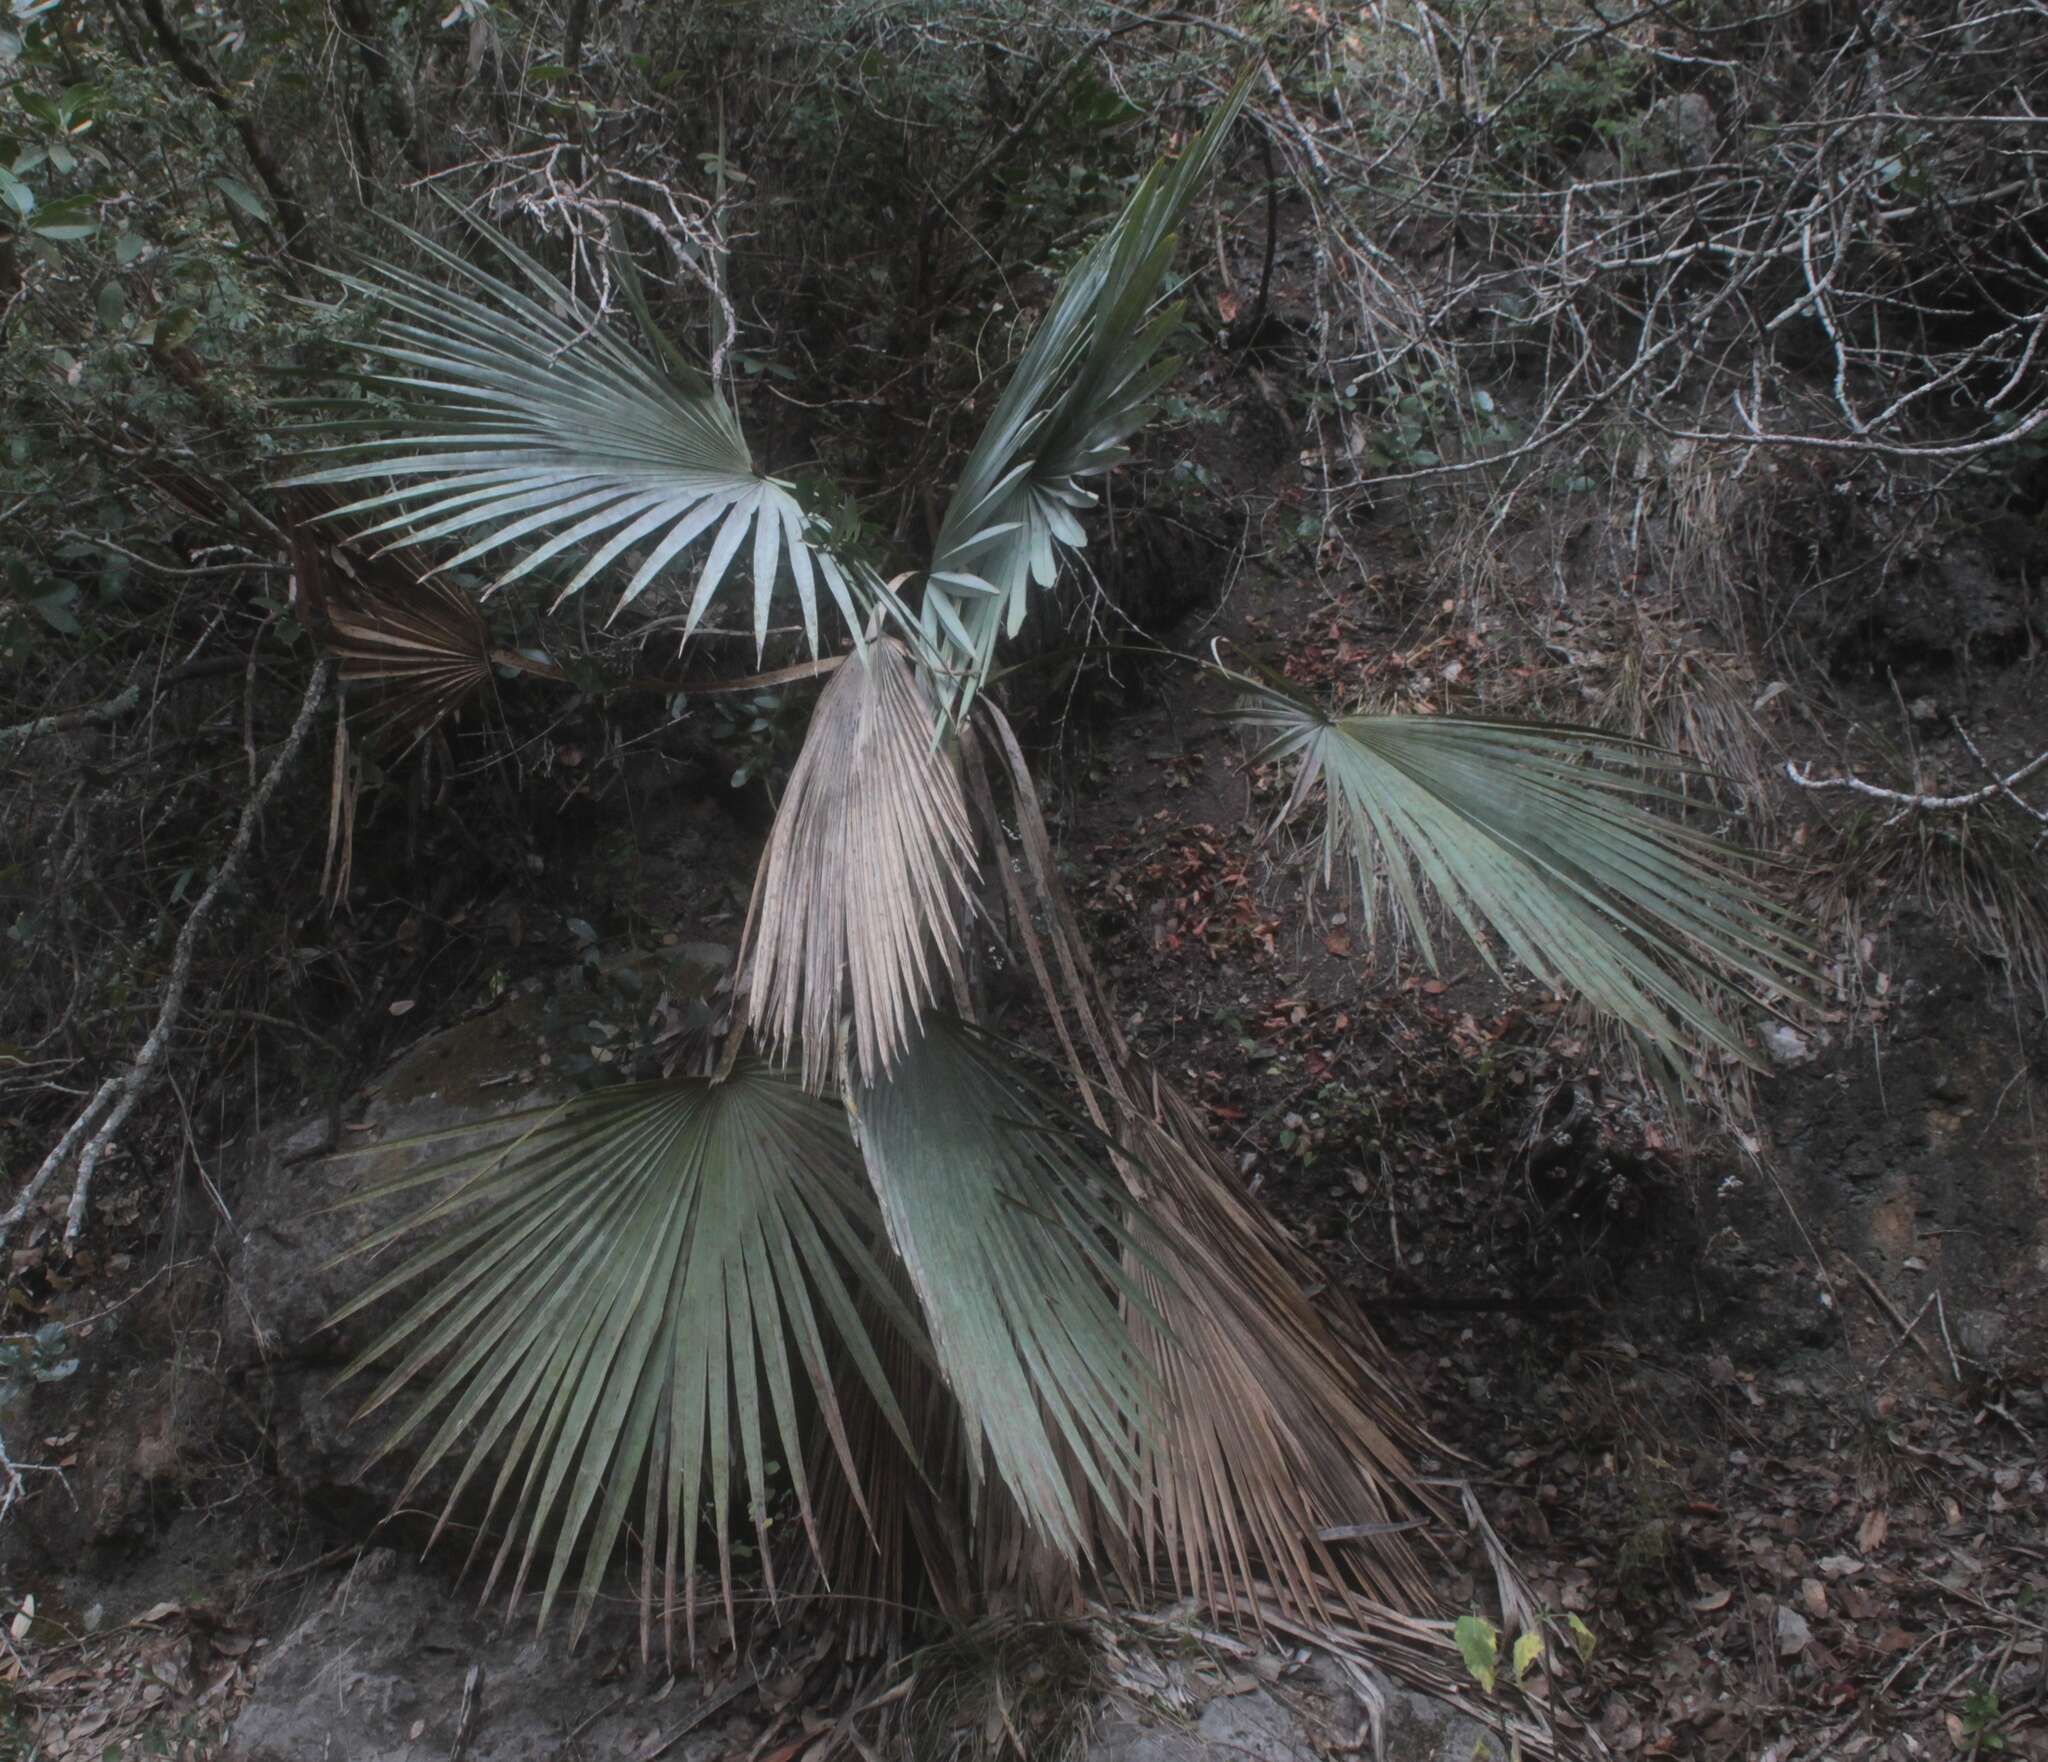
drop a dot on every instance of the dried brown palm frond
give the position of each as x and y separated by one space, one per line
414 651
338 866
1282 1468
926 1541
1668 685
864 883
892 1539
1978 872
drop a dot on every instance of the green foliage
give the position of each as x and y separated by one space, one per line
917 1275
1980 1717
528 414
1009 1218
635 1281
1539 836
1479 1645
1072 401
42 1357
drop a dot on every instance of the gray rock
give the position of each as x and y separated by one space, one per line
1676 133
298 1218
382 1672
1291 1726
1981 1333
301 1213
292 1272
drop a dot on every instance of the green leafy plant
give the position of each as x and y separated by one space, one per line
1980 1717
1479 1646
46 1356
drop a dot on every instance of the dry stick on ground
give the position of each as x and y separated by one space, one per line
1931 804
112 709
104 1116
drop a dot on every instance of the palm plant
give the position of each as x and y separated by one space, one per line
1005 1322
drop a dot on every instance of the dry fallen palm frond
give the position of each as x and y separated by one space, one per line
416 650
864 882
337 867
892 1539
1283 1465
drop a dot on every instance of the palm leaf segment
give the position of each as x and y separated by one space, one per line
863 890
1543 836
531 420
622 1289
1083 386
1010 1220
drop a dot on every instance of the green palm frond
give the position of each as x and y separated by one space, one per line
1009 1216
619 1287
531 420
863 887
1546 837
1083 386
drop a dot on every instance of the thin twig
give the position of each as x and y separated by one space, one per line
113 709
107 1112
1898 1321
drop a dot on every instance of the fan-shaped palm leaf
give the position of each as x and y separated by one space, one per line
617 1293
530 416
1545 837
1008 1216
1083 385
863 886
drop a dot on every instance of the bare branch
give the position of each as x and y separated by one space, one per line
108 1110
1929 804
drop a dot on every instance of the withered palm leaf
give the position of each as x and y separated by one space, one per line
1009 1217
864 882
620 1289
1282 1466
530 416
1546 837
416 651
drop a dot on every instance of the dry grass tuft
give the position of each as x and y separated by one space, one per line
1980 874
1004 1691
